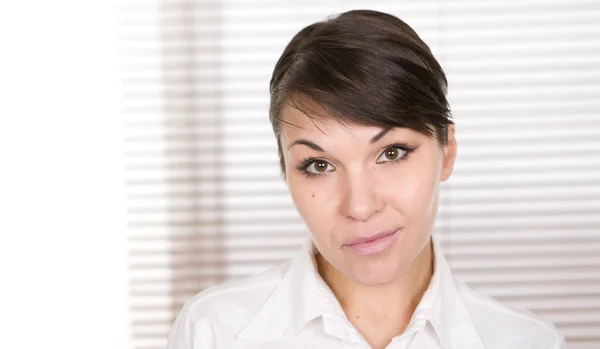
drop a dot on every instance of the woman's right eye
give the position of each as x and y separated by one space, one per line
319 167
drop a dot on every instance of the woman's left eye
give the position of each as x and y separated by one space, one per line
391 154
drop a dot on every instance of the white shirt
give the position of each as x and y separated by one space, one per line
291 307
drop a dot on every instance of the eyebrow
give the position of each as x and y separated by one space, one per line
308 144
319 149
380 135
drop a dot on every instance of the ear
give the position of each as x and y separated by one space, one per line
449 154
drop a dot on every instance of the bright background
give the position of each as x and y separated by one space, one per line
139 167
63 245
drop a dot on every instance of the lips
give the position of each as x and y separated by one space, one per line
373 244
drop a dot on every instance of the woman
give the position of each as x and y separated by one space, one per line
359 110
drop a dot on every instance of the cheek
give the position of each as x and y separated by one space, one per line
304 195
314 202
412 192
425 196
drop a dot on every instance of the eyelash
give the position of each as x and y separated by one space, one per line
406 149
306 163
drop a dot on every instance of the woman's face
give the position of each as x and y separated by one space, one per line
369 197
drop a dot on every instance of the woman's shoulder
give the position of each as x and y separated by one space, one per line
502 325
245 293
221 311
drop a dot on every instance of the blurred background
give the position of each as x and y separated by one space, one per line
139 166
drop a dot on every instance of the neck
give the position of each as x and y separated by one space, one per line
394 302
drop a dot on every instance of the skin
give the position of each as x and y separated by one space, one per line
361 187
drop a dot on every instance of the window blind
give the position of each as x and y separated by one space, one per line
519 219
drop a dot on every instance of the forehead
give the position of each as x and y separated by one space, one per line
321 126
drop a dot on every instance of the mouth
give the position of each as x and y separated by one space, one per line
373 244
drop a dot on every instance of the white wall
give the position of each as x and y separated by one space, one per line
62 223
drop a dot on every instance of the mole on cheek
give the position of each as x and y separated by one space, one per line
313 195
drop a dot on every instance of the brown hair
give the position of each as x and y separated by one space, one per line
362 67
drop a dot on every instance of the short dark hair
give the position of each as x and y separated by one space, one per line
362 67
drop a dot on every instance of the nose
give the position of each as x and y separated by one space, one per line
361 200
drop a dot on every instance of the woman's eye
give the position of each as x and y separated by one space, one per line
319 167
390 154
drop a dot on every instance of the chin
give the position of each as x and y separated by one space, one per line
374 281
372 274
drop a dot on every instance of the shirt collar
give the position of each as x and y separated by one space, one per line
306 296
301 292
450 317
